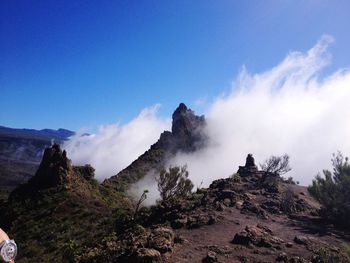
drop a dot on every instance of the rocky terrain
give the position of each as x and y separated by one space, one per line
253 217
20 153
62 214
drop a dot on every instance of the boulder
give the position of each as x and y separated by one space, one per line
147 255
210 258
259 235
161 239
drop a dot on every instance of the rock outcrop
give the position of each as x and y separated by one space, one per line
249 168
186 135
55 171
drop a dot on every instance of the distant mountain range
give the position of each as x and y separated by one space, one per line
21 151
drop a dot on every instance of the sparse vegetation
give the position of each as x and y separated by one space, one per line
288 201
332 191
325 255
143 197
236 177
173 184
276 164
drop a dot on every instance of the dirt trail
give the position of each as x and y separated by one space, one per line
217 237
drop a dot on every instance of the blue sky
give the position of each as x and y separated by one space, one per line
79 64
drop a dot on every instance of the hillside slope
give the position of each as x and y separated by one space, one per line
60 208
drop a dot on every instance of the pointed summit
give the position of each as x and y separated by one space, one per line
185 122
186 136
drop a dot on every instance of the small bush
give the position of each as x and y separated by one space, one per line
287 201
276 164
173 184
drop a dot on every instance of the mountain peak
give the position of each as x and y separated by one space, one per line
185 121
181 108
186 136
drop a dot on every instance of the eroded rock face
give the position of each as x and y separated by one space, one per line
186 132
54 169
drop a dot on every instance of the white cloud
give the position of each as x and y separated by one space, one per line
287 109
115 146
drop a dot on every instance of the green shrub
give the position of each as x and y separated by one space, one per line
332 191
174 184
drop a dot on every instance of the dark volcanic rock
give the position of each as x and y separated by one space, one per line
186 132
249 167
186 129
186 136
55 170
210 258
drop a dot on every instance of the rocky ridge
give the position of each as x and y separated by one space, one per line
186 135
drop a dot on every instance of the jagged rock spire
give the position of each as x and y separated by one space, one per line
54 168
185 121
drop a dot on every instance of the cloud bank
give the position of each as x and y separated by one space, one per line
287 109
115 146
291 108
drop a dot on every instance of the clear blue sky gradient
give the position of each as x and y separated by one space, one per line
82 63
